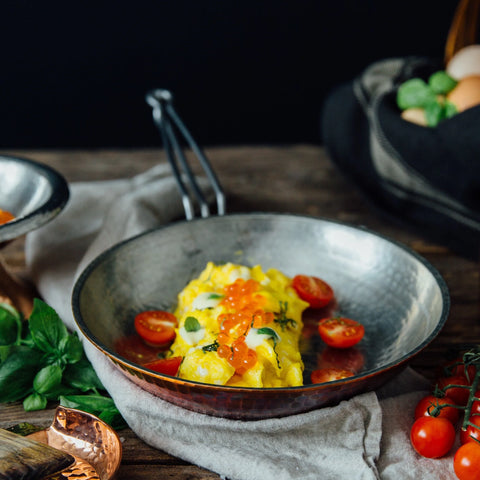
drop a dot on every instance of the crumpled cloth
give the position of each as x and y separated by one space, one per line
365 437
426 179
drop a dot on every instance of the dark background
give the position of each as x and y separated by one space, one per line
74 74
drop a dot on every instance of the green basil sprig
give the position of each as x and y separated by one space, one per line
40 361
429 95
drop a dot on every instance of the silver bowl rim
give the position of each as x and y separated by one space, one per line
45 212
82 278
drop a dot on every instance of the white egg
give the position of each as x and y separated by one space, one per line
465 62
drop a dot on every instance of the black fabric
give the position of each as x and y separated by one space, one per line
447 157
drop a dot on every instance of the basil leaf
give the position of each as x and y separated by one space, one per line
10 325
46 327
215 296
71 348
60 390
434 113
35 401
441 82
268 331
82 376
4 352
414 93
47 379
192 324
450 109
89 403
17 373
113 417
11 310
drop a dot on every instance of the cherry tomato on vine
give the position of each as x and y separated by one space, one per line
459 394
466 462
168 366
457 367
156 327
323 375
476 404
472 432
432 437
426 406
313 290
340 332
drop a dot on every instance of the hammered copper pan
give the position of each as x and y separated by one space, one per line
398 296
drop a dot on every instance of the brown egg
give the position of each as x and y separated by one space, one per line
415 115
466 94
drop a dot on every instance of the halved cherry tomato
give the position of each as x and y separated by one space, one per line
167 366
133 348
5 216
344 358
426 406
459 394
313 290
340 332
156 327
323 375
466 462
432 437
472 432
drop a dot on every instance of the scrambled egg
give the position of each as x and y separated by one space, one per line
240 326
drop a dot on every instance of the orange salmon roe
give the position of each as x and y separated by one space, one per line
243 310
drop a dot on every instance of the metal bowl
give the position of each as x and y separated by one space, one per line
95 446
33 192
400 298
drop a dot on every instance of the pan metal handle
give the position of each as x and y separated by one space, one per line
168 122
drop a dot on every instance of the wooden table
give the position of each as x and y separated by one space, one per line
295 179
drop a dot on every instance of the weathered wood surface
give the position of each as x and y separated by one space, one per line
22 457
295 179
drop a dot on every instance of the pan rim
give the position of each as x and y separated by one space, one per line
114 357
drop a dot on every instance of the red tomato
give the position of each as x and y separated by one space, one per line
133 348
432 437
344 358
323 375
156 327
472 432
476 404
167 366
457 367
426 405
466 462
340 332
459 394
313 290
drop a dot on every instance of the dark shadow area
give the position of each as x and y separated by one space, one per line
75 74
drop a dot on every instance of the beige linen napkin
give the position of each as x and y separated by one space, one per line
362 438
